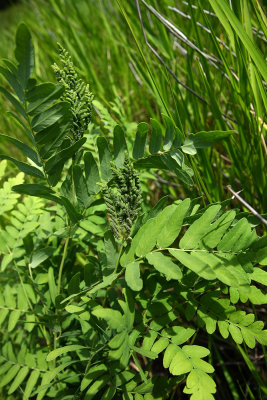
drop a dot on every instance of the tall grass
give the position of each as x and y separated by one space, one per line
223 63
216 51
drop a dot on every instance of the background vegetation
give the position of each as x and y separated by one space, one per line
111 54
203 64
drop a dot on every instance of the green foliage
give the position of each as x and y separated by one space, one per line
87 312
7 197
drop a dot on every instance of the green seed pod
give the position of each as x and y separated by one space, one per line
123 199
76 93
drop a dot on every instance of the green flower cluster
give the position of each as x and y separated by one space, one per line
76 93
123 199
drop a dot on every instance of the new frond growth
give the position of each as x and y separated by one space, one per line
76 93
124 199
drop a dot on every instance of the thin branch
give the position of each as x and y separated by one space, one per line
181 36
187 16
195 7
251 209
161 59
255 31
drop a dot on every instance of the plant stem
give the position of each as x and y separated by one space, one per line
63 258
115 271
43 330
59 283
252 369
55 346
72 182
142 373
66 244
119 256
63 261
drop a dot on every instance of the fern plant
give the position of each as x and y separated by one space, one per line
87 311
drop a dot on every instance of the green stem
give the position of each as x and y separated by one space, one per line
194 337
115 271
252 369
63 258
63 261
55 346
119 256
142 373
43 330
66 243
227 375
67 240
200 183
59 283
72 182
